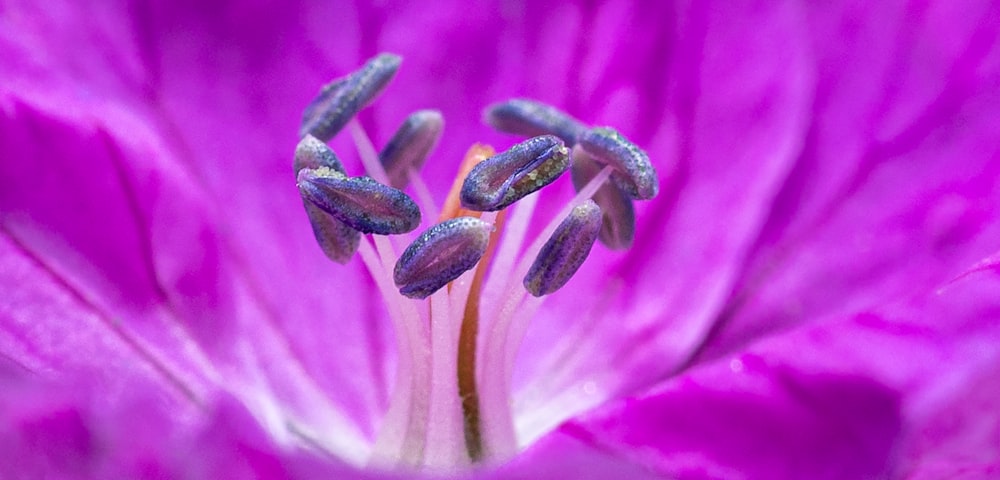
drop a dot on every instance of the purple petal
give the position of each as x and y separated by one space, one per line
563 456
715 194
830 400
896 187
771 162
198 158
80 296
58 432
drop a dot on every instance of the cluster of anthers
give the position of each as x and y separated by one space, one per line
445 413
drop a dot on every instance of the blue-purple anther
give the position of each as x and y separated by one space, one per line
530 118
565 251
313 153
509 176
340 100
440 255
337 240
360 202
618 221
409 147
633 171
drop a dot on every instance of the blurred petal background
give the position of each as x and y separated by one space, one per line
814 294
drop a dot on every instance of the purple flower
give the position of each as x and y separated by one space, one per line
813 294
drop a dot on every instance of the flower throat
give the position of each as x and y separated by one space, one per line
465 280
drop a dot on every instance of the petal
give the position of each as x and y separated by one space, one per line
958 420
862 395
896 188
957 436
735 95
82 299
58 432
695 105
160 265
563 456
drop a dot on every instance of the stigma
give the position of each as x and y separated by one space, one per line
450 406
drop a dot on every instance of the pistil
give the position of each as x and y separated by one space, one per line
470 314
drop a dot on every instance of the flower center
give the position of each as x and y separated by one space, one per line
464 281
451 415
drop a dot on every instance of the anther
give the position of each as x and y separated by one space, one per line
509 176
409 147
633 172
565 251
340 100
530 118
618 220
361 203
313 153
440 255
335 238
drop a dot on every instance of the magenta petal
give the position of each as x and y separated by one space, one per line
48 326
780 425
44 434
897 185
960 436
149 241
816 159
561 455
103 211
864 395
232 445
60 433
875 176
734 103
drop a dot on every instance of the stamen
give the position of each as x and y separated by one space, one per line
401 437
440 255
367 153
313 153
633 172
618 222
468 333
337 240
507 177
445 441
340 100
422 191
444 411
409 147
360 202
565 251
505 335
530 118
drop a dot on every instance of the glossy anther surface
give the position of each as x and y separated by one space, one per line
361 203
565 251
531 118
340 100
440 255
508 176
633 171
409 147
